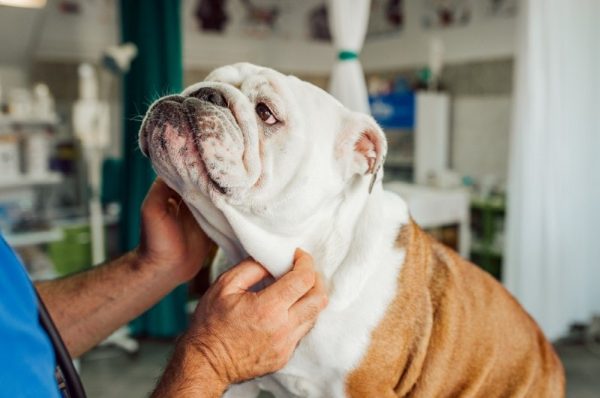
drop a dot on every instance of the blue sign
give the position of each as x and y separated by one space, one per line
394 111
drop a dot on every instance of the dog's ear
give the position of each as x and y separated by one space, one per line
361 145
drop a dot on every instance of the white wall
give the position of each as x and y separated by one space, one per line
480 134
12 76
78 37
19 28
83 36
288 49
482 38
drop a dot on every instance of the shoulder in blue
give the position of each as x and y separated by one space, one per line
26 354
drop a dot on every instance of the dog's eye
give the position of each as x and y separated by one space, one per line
265 114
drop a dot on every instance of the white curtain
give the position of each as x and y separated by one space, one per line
348 20
553 236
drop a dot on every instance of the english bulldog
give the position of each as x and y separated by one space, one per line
268 163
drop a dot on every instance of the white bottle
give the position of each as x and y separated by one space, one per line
43 102
37 149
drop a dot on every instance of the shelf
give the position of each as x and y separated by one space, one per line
107 220
482 249
21 239
29 181
494 204
28 122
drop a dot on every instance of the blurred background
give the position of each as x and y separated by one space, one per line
491 109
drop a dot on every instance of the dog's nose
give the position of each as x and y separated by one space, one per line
211 95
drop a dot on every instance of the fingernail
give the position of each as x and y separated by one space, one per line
298 253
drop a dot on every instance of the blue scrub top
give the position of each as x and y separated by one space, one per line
27 360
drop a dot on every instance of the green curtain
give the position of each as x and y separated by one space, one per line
155 28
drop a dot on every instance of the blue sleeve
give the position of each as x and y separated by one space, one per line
27 360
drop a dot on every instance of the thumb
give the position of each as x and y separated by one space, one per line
159 198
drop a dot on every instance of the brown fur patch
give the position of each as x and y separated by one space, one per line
452 330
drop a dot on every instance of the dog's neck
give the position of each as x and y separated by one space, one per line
348 259
345 238
349 227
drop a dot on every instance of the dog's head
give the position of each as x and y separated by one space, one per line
258 155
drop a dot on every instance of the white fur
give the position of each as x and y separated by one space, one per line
334 347
308 190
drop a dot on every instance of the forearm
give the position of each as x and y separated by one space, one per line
87 307
190 374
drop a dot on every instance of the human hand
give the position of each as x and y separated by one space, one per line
244 334
170 236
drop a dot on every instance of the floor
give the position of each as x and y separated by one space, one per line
108 373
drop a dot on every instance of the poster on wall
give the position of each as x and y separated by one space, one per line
445 13
262 17
280 19
318 24
387 17
211 15
252 17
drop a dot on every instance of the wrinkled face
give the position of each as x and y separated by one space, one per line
229 135
271 146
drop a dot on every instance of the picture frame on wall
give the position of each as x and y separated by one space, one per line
387 17
439 14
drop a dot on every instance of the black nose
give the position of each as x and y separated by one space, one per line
211 95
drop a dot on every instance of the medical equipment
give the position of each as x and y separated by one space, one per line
91 123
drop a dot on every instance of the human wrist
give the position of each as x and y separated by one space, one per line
207 350
189 373
142 260
179 268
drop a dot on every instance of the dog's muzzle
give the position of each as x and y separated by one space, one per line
200 140
170 109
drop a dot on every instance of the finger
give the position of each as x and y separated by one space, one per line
295 284
159 195
310 305
162 190
300 331
305 312
298 253
242 277
182 211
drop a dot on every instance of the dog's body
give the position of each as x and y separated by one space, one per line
462 334
268 163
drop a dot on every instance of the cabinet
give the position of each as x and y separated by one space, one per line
25 181
416 127
435 208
